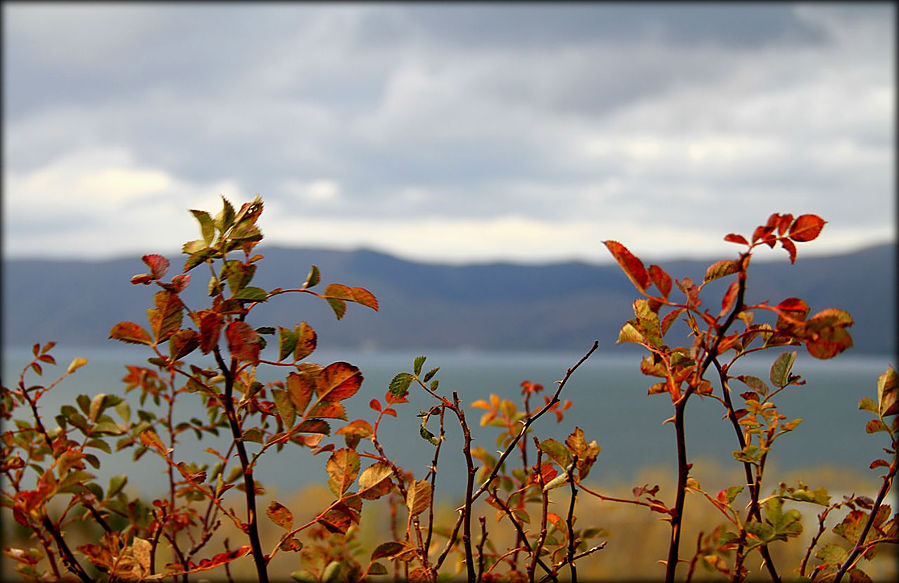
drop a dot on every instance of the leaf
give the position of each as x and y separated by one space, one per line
165 318
300 386
734 238
210 325
285 406
631 265
287 342
721 269
629 333
76 363
313 278
418 497
417 364
207 228
280 515
339 307
342 467
390 550
158 265
399 385
556 451
374 481
661 279
244 342
338 381
888 393
131 333
307 340
806 228
780 370
182 343
251 294
754 383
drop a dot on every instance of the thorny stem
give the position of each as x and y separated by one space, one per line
683 468
754 484
570 520
502 458
469 487
860 544
522 536
249 483
68 559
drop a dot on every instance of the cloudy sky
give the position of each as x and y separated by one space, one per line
451 133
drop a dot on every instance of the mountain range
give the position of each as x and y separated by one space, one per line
498 306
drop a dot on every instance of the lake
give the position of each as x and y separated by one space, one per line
610 405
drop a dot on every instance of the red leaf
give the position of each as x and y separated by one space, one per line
244 342
790 247
365 297
784 223
180 281
144 278
730 298
131 333
157 263
220 559
661 279
734 238
806 228
210 327
375 404
631 265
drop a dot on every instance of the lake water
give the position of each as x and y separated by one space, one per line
610 405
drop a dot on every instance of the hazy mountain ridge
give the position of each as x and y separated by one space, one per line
429 306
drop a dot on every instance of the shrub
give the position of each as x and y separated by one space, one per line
50 491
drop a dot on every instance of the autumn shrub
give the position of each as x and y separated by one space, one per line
519 517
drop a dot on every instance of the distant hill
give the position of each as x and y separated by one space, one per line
429 306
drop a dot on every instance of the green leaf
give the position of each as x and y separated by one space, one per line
207 228
225 218
754 383
284 406
430 374
251 294
427 435
287 342
313 278
339 307
116 484
417 364
399 386
780 370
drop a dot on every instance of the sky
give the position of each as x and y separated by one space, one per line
449 133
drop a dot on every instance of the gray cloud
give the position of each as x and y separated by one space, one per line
577 112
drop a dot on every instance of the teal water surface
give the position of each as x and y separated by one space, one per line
608 392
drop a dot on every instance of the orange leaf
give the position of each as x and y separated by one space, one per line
806 228
130 332
338 381
631 265
280 515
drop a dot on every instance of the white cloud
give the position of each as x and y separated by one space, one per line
504 132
